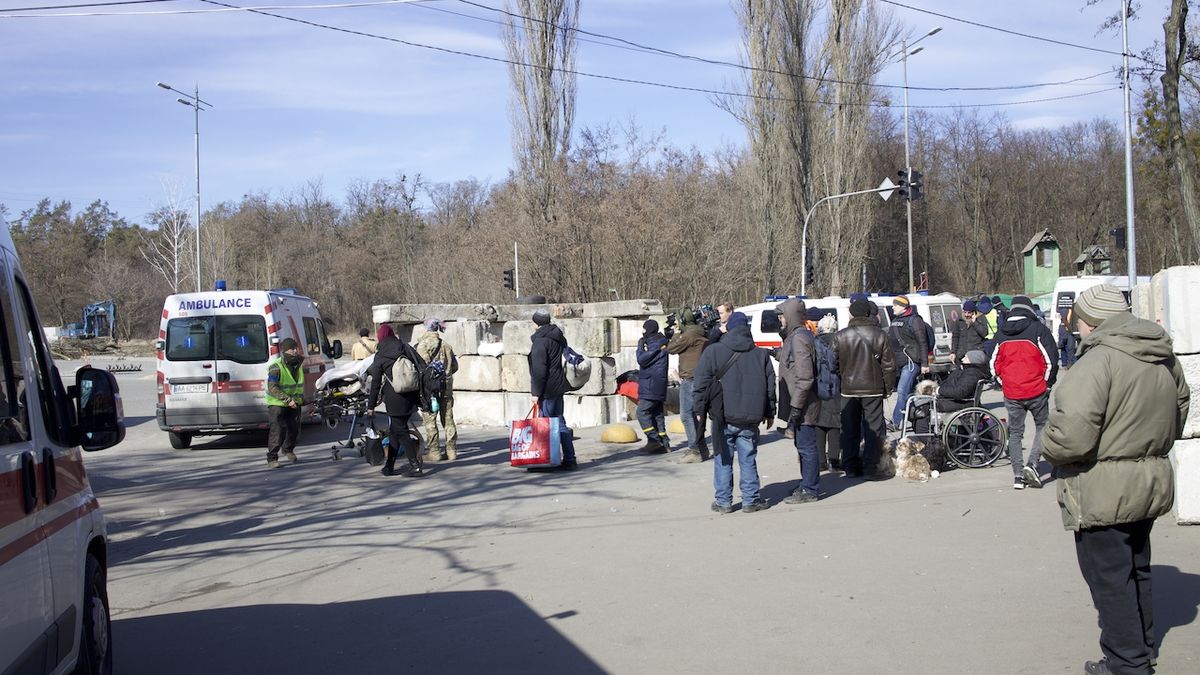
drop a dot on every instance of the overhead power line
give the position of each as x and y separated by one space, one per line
84 6
174 12
629 44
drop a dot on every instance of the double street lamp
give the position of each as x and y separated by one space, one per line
194 102
905 53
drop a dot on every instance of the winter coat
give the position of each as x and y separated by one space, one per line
396 405
1116 415
830 416
909 338
798 364
960 384
547 379
749 384
1024 358
971 336
866 362
688 344
362 348
652 363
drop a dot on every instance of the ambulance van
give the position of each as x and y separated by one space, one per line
54 611
213 349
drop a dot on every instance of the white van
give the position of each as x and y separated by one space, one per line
54 611
213 349
934 309
1066 289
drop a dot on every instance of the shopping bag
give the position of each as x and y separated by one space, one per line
535 441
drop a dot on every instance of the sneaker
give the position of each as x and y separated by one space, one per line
273 464
411 471
290 457
756 505
386 471
690 456
1032 479
799 496
722 508
1018 484
569 465
1097 667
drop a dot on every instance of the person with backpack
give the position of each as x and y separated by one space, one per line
829 391
548 380
652 361
438 384
910 341
399 405
364 347
735 386
867 368
798 366
689 344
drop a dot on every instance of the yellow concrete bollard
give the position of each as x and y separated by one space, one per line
675 425
618 433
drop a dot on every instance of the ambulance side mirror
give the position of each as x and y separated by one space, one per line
160 345
100 414
335 350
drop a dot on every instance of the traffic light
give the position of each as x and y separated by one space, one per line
1118 234
914 185
810 275
508 280
902 183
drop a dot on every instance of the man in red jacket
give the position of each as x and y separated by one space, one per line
1025 361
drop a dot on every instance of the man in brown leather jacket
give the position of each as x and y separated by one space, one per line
867 367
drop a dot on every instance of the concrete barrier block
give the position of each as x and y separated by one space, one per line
603 379
1185 459
626 359
1156 296
1141 299
631 331
1191 372
1180 288
465 337
514 372
518 405
480 408
592 411
477 373
518 336
623 308
592 337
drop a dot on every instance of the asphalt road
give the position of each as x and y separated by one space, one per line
221 566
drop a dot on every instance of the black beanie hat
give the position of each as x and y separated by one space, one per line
287 343
860 308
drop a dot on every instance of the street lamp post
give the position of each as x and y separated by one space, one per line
908 164
194 102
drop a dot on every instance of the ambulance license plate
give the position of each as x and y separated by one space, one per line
189 388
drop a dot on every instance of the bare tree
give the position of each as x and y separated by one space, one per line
166 246
1178 53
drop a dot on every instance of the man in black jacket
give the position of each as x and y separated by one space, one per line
911 344
957 391
652 360
867 366
748 386
973 331
548 380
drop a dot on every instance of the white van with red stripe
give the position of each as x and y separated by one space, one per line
213 349
54 614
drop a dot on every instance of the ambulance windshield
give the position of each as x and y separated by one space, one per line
238 338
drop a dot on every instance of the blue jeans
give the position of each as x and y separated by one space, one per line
687 413
650 416
904 389
553 407
743 441
806 447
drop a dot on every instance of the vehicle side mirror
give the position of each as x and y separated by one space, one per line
160 345
336 350
100 414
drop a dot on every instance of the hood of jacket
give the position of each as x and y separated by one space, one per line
1019 321
549 332
739 339
793 312
1143 340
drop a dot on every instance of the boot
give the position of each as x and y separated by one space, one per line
412 470
451 453
654 447
389 464
691 456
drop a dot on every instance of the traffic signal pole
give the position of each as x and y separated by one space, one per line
516 271
808 216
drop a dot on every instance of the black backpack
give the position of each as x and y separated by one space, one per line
829 382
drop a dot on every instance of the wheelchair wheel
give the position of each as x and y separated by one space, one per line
974 438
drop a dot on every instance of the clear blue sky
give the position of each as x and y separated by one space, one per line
81 118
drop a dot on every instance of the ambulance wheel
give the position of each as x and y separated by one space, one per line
180 441
95 646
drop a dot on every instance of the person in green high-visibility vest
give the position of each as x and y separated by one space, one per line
285 397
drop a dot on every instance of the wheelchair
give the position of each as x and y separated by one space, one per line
973 437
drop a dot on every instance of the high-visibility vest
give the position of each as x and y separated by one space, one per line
288 382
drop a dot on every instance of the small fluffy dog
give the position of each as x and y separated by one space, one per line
904 459
926 388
